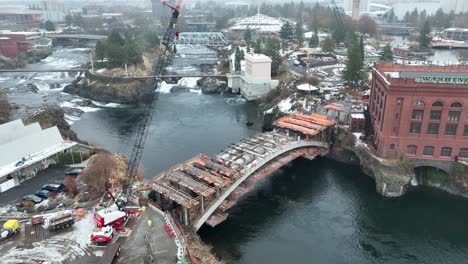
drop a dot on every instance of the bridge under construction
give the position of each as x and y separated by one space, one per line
203 189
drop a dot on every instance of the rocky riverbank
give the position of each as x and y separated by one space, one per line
52 116
110 89
23 59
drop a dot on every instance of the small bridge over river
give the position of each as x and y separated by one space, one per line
203 189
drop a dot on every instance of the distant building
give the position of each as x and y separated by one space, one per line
456 34
419 111
21 18
255 82
403 6
457 6
259 23
12 43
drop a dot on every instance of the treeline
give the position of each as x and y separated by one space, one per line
439 20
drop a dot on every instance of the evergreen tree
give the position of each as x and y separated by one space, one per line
299 33
248 49
386 54
49 26
115 55
100 51
390 16
407 17
354 66
132 53
248 36
361 47
272 47
286 32
242 55
328 45
68 20
314 40
424 36
258 46
174 50
237 58
115 39
152 39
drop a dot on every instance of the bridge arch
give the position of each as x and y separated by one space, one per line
290 147
204 188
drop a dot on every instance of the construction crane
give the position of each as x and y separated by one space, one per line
158 68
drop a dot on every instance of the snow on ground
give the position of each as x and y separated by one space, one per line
285 105
101 70
61 248
182 69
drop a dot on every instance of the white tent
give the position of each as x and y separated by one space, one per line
307 87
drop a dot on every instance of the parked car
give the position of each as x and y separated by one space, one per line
33 198
54 187
73 171
44 194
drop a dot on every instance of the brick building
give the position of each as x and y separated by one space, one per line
419 111
12 43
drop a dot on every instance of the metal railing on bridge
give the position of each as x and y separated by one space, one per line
202 38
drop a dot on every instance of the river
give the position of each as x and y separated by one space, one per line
308 212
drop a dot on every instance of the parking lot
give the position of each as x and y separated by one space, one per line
14 195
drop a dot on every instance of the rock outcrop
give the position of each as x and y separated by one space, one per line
212 85
110 89
52 116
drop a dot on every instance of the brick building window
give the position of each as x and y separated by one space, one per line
451 129
438 104
463 153
417 114
446 152
465 131
436 114
456 104
433 128
419 103
454 116
428 151
392 147
415 127
412 149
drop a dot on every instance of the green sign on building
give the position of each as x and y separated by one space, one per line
429 79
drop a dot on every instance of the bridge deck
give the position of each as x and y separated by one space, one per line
186 181
176 195
222 179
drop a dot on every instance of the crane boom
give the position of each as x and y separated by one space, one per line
143 126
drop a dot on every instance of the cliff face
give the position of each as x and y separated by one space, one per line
110 89
52 116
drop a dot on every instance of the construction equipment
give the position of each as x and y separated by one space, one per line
10 228
143 127
111 216
59 220
102 235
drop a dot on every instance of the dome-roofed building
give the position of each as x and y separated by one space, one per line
260 23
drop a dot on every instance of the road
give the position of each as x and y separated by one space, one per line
54 173
135 250
297 68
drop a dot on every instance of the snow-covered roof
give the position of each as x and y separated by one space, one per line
18 141
259 23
